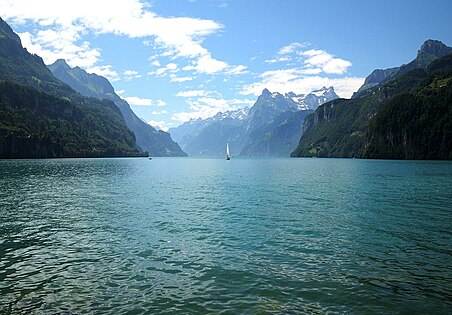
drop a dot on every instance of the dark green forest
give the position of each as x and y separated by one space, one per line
35 124
414 125
408 117
40 116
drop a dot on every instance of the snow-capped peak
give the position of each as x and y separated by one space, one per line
305 101
323 91
238 114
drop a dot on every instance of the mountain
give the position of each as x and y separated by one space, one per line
40 116
156 142
314 99
407 116
375 78
429 51
416 125
208 137
271 127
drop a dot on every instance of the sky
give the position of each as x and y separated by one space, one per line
176 60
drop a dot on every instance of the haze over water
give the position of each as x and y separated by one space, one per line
114 236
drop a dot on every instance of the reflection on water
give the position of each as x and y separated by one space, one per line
244 236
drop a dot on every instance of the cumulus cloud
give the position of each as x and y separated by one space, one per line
162 112
327 62
137 101
170 67
156 63
192 93
240 69
61 44
68 21
161 103
208 65
131 74
293 47
105 71
175 78
280 59
308 70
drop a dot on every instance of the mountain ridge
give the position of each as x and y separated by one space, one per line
262 130
40 116
156 142
355 127
429 51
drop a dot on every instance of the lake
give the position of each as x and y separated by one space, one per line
245 236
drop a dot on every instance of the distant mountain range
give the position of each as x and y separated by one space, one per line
271 127
40 116
399 113
156 142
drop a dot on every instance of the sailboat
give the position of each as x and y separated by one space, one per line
228 157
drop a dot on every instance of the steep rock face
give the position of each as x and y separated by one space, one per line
208 137
375 78
40 116
156 142
383 124
278 137
338 128
416 125
429 51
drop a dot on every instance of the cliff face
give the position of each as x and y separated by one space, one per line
156 142
408 117
416 125
430 50
40 116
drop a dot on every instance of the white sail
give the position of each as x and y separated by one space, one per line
227 151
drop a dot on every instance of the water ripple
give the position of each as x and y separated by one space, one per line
190 236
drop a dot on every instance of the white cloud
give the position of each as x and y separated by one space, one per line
170 67
131 74
192 93
160 124
291 48
156 63
240 69
105 71
205 107
162 112
327 62
68 21
280 59
119 92
209 65
137 101
175 78
161 103
306 73
61 44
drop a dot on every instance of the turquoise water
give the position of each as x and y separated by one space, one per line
246 236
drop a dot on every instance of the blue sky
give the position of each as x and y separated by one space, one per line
173 60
